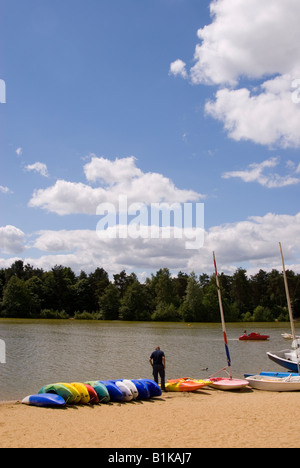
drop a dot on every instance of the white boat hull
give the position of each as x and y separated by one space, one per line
285 358
274 384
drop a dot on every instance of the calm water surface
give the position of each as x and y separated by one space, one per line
39 352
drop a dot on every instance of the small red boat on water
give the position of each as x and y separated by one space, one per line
253 336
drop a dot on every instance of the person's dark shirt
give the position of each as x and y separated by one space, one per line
157 356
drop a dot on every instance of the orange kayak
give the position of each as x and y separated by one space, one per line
185 385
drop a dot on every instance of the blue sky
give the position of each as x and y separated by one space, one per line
189 101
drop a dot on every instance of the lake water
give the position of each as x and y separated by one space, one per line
39 352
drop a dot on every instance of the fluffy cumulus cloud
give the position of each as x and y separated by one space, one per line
255 41
251 243
256 172
178 68
11 240
269 117
38 167
115 179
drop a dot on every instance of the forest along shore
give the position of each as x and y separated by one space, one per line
28 292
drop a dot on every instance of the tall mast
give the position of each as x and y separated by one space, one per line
289 306
222 317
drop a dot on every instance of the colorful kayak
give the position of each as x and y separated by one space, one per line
253 337
60 390
44 400
185 384
132 388
127 393
101 391
94 400
74 391
115 393
143 391
153 387
83 391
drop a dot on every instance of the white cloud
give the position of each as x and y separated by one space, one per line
251 243
178 68
268 118
247 38
11 240
119 177
38 167
19 151
5 190
254 40
255 173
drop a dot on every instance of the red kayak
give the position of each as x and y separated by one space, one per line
253 336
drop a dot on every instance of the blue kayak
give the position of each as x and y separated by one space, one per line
142 388
274 374
115 393
44 400
153 387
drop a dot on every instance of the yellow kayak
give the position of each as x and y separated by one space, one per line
83 391
76 396
185 384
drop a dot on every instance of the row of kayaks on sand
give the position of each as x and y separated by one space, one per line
93 392
125 390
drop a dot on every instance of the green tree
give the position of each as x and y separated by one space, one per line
163 287
122 281
109 303
99 281
135 303
35 289
262 314
192 307
17 301
240 291
58 289
166 313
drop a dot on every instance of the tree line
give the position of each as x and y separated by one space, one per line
28 292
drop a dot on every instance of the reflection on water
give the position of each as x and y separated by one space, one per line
39 352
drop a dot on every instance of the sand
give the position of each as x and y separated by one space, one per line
208 418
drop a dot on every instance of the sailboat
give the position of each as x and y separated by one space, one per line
225 383
283 382
288 358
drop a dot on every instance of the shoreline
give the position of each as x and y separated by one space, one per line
208 418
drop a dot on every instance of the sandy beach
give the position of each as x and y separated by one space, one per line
204 419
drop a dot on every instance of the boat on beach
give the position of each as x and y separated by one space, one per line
225 383
185 384
288 358
275 384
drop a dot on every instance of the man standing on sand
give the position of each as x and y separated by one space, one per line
158 362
